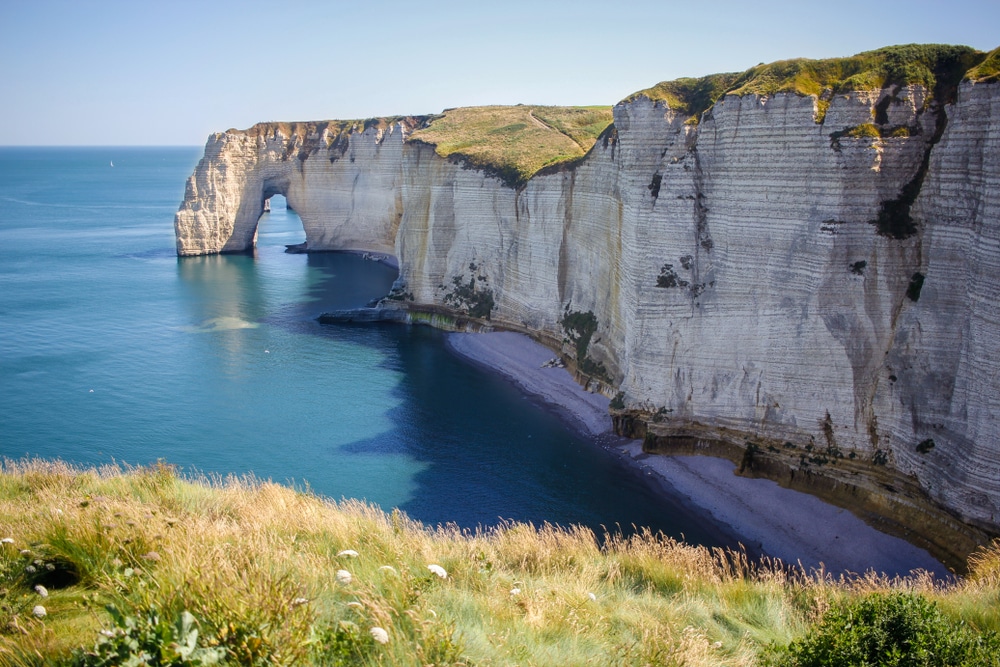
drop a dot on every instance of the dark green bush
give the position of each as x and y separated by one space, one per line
890 630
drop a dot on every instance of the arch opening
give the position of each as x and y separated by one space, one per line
279 225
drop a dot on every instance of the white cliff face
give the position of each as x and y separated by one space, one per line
735 275
946 392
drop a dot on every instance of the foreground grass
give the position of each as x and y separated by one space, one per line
516 142
254 573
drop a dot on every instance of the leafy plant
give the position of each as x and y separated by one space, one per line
148 639
890 630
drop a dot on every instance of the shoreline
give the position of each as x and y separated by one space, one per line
766 518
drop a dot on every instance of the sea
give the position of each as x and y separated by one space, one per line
114 350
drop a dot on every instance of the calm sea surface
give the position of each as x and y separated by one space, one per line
113 349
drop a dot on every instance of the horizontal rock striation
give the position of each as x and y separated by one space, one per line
811 293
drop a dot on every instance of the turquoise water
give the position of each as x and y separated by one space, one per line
114 349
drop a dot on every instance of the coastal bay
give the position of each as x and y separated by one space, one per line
796 527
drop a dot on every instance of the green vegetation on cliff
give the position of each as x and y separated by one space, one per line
143 567
987 71
515 142
333 128
690 96
937 67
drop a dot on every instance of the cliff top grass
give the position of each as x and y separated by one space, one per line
515 142
988 71
937 67
112 566
303 129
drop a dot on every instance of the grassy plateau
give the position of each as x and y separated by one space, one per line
144 567
515 142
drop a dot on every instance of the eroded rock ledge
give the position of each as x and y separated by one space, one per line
789 273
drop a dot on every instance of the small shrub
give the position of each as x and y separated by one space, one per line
866 130
148 639
661 414
618 402
477 302
891 630
925 446
669 278
580 327
343 644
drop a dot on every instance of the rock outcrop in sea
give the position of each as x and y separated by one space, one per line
804 283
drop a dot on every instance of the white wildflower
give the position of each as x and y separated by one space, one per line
593 598
298 602
379 635
7 540
50 567
39 611
717 645
515 591
31 569
388 568
343 577
355 605
25 552
438 570
348 553
41 590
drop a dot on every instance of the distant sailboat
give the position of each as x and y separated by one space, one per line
112 163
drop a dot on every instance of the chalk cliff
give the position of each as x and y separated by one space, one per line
804 283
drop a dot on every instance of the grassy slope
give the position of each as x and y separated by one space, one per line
923 64
515 142
988 71
255 563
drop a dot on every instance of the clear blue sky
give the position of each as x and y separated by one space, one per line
170 72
